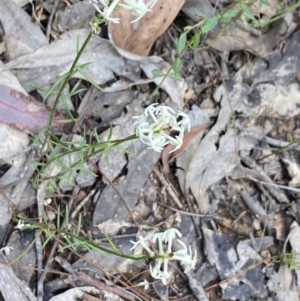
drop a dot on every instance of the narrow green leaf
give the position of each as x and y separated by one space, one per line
246 12
157 73
177 66
187 28
181 45
196 40
58 217
229 14
174 76
210 23
264 2
114 247
79 224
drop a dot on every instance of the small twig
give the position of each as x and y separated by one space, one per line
39 260
272 141
275 185
50 20
185 212
82 203
168 187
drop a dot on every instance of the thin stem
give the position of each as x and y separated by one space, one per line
60 92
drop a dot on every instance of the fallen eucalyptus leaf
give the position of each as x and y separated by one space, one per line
24 113
138 37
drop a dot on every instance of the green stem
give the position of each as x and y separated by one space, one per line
60 92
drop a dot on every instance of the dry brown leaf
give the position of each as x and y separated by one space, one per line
166 157
139 37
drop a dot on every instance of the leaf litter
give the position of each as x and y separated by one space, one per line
233 187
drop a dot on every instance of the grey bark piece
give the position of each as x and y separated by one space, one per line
281 65
230 261
109 205
195 9
11 287
76 17
109 106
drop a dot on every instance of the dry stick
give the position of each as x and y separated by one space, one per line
50 20
272 141
168 187
86 278
82 203
274 184
185 212
39 261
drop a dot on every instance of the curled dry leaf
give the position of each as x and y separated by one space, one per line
166 157
139 37
27 114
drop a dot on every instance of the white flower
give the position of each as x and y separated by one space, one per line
107 11
185 257
156 272
155 124
21 225
6 250
145 284
144 242
168 237
160 269
138 7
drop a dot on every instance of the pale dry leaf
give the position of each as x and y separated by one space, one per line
138 37
46 64
195 9
282 284
78 16
21 35
21 2
175 88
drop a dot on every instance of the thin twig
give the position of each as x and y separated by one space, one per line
168 187
82 203
50 20
272 141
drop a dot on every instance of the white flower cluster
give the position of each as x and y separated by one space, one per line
137 7
160 270
155 124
